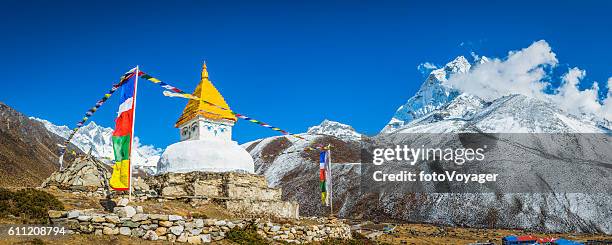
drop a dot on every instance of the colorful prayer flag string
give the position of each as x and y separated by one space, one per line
95 108
308 148
182 94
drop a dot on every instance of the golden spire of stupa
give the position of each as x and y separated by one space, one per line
206 91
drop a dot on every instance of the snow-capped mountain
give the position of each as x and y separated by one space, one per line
432 95
336 129
509 114
327 132
437 108
98 139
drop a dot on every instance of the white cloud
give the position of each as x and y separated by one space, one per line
606 109
572 99
524 72
426 67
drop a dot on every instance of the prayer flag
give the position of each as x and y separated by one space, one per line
122 136
325 177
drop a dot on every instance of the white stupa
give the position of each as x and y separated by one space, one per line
206 137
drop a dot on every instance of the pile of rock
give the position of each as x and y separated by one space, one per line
85 174
132 221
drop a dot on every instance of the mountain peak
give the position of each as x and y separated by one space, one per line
458 65
432 95
333 128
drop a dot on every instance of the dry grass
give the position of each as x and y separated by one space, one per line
430 234
274 148
253 145
342 152
75 201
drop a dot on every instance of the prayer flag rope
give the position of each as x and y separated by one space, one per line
308 148
95 108
182 94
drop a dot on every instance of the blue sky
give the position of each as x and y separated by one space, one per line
291 64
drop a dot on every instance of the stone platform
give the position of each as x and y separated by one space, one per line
245 194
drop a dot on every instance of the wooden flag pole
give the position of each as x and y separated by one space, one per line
133 126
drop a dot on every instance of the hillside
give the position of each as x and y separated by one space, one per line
28 152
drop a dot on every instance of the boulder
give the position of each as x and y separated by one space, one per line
73 214
206 238
194 240
195 232
125 212
138 232
84 218
160 231
199 223
158 217
140 217
98 219
182 238
123 202
174 217
110 231
53 214
130 224
166 223
112 219
176 230
150 235
126 231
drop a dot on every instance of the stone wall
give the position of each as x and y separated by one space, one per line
131 221
238 192
264 208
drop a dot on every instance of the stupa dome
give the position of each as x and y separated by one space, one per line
205 155
206 136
